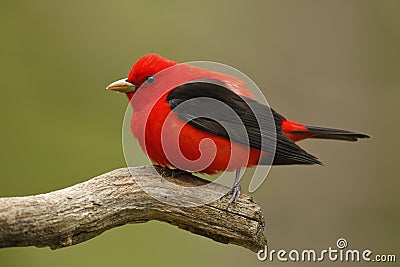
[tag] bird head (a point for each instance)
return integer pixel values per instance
(144, 68)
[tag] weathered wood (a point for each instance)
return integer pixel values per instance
(75, 214)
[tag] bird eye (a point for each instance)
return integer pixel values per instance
(150, 79)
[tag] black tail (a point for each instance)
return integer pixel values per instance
(336, 134)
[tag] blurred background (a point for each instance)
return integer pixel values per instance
(329, 63)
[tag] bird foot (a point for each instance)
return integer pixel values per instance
(167, 172)
(235, 193)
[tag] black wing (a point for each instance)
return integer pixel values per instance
(209, 106)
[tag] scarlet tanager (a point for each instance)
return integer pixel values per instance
(160, 125)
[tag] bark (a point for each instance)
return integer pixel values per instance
(75, 214)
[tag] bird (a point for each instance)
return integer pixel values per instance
(202, 121)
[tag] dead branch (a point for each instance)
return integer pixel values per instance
(75, 214)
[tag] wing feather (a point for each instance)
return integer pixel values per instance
(210, 106)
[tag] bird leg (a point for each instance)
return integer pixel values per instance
(167, 172)
(235, 191)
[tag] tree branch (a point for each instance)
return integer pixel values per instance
(75, 214)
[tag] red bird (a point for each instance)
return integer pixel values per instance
(177, 135)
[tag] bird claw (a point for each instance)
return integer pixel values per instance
(167, 172)
(235, 193)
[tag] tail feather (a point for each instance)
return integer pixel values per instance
(330, 133)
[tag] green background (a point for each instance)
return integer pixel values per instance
(330, 63)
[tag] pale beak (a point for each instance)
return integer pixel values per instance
(122, 86)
